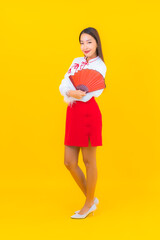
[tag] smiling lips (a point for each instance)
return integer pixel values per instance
(87, 51)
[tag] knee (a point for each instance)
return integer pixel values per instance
(86, 162)
(70, 164)
(89, 162)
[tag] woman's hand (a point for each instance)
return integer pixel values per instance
(76, 93)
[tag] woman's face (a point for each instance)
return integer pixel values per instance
(88, 45)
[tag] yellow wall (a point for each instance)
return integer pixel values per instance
(38, 41)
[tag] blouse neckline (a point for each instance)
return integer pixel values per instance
(91, 60)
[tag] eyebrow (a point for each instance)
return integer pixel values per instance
(87, 40)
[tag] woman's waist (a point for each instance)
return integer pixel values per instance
(89, 105)
(84, 102)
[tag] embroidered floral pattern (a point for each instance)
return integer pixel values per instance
(83, 64)
(75, 66)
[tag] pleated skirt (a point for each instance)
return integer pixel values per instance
(83, 122)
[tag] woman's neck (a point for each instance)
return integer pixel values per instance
(87, 59)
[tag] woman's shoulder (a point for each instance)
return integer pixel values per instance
(101, 64)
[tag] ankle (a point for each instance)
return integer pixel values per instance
(89, 203)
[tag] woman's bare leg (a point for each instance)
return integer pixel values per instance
(89, 158)
(71, 154)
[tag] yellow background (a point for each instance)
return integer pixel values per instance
(38, 41)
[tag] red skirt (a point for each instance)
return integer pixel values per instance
(83, 121)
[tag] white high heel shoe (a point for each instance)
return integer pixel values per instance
(91, 210)
(96, 201)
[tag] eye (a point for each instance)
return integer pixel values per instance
(88, 42)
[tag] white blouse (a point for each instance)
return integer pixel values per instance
(79, 64)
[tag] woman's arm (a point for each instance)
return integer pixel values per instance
(97, 93)
(67, 85)
(78, 94)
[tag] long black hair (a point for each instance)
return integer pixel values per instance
(94, 33)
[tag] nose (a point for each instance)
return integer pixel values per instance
(85, 47)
